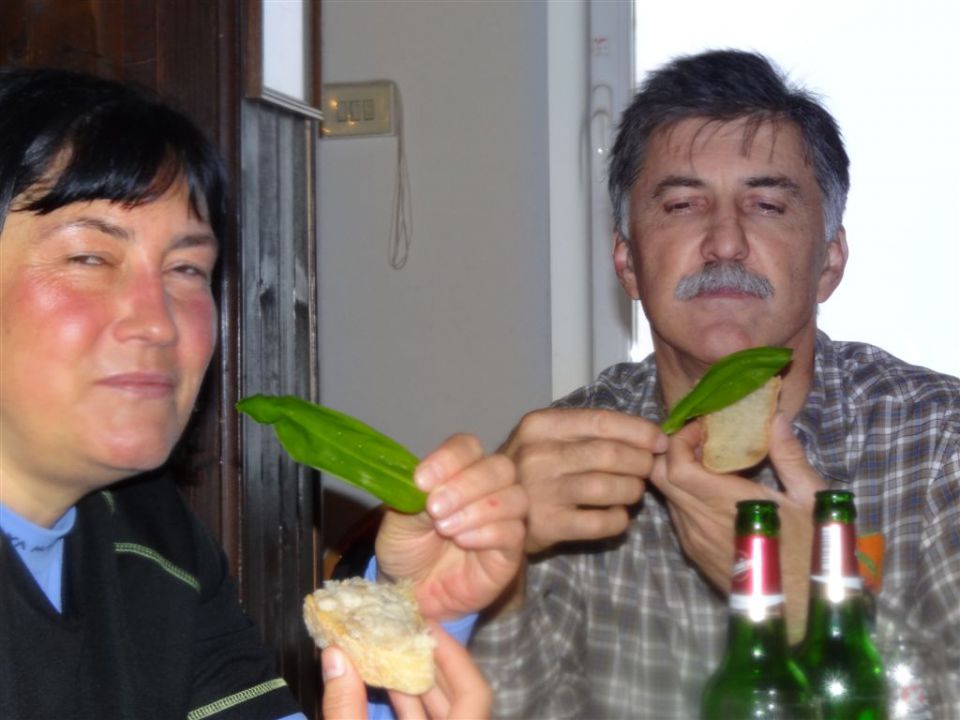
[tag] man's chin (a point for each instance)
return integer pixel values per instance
(718, 342)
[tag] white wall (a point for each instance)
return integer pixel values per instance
(459, 339)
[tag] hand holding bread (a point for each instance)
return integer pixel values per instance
(379, 627)
(460, 690)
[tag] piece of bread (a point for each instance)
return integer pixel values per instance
(379, 627)
(737, 436)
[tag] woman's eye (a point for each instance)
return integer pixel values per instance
(192, 271)
(87, 259)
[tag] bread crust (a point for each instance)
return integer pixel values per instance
(738, 436)
(379, 627)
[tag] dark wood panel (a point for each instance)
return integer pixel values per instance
(278, 329)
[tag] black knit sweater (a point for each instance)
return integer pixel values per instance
(151, 626)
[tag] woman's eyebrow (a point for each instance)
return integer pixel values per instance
(121, 233)
(93, 223)
(196, 240)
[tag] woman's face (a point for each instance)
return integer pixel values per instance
(107, 325)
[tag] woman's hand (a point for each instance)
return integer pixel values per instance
(460, 690)
(467, 547)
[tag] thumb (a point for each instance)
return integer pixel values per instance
(344, 694)
(800, 480)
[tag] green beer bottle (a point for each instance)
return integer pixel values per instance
(757, 679)
(837, 655)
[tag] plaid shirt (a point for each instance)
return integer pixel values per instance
(628, 628)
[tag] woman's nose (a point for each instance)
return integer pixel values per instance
(145, 313)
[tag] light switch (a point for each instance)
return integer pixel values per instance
(358, 109)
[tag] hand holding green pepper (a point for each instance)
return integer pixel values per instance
(341, 445)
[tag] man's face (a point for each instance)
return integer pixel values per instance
(739, 229)
(108, 324)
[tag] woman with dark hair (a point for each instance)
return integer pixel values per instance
(115, 602)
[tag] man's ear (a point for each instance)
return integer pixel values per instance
(833, 265)
(623, 264)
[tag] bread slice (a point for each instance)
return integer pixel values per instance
(380, 629)
(737, 436)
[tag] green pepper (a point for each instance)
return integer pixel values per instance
(341, 445)
(729, 379)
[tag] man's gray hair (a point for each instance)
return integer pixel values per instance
(728, 85)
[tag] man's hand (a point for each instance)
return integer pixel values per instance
(460, 690)
(703, 508)
(581, 469)
(467, 547)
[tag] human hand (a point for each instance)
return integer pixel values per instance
(467, 547)
(703, 508)
(582, 469)
(460, 690)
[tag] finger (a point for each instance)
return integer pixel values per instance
(680, 457)
(481, 481)
(407, 707)
(684, 481)
(800, 480)
(589, 524)
(455, 454)
(462, 690)
(505, 506)
(604, 455)
(568, 424)
(505, 536)
(601, 490)
(344, 694)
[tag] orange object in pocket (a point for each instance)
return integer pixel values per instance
(870, 549)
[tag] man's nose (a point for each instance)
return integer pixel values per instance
(144, 311)
(725, 239)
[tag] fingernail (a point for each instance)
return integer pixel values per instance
(450, 524)
(662, 443)
(425, 476)
(440, 503)
(332, 663)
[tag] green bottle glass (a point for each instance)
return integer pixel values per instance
(837, 655)
(757, 679)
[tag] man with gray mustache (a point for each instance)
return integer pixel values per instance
(728, 185)
(716, 277)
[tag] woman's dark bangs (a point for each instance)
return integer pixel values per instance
(116, 154)
(133, 154)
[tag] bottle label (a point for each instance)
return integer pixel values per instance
(755, 588)
(836, 575)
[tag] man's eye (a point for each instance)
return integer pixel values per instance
(678, 206)
(769, 208)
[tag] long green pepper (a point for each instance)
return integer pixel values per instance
(729, 379)
(341, 445)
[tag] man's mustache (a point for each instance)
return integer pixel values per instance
(723, 276)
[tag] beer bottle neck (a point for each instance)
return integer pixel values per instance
(836, 597)
(759, 643)
(757, 631)
(828, 618)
